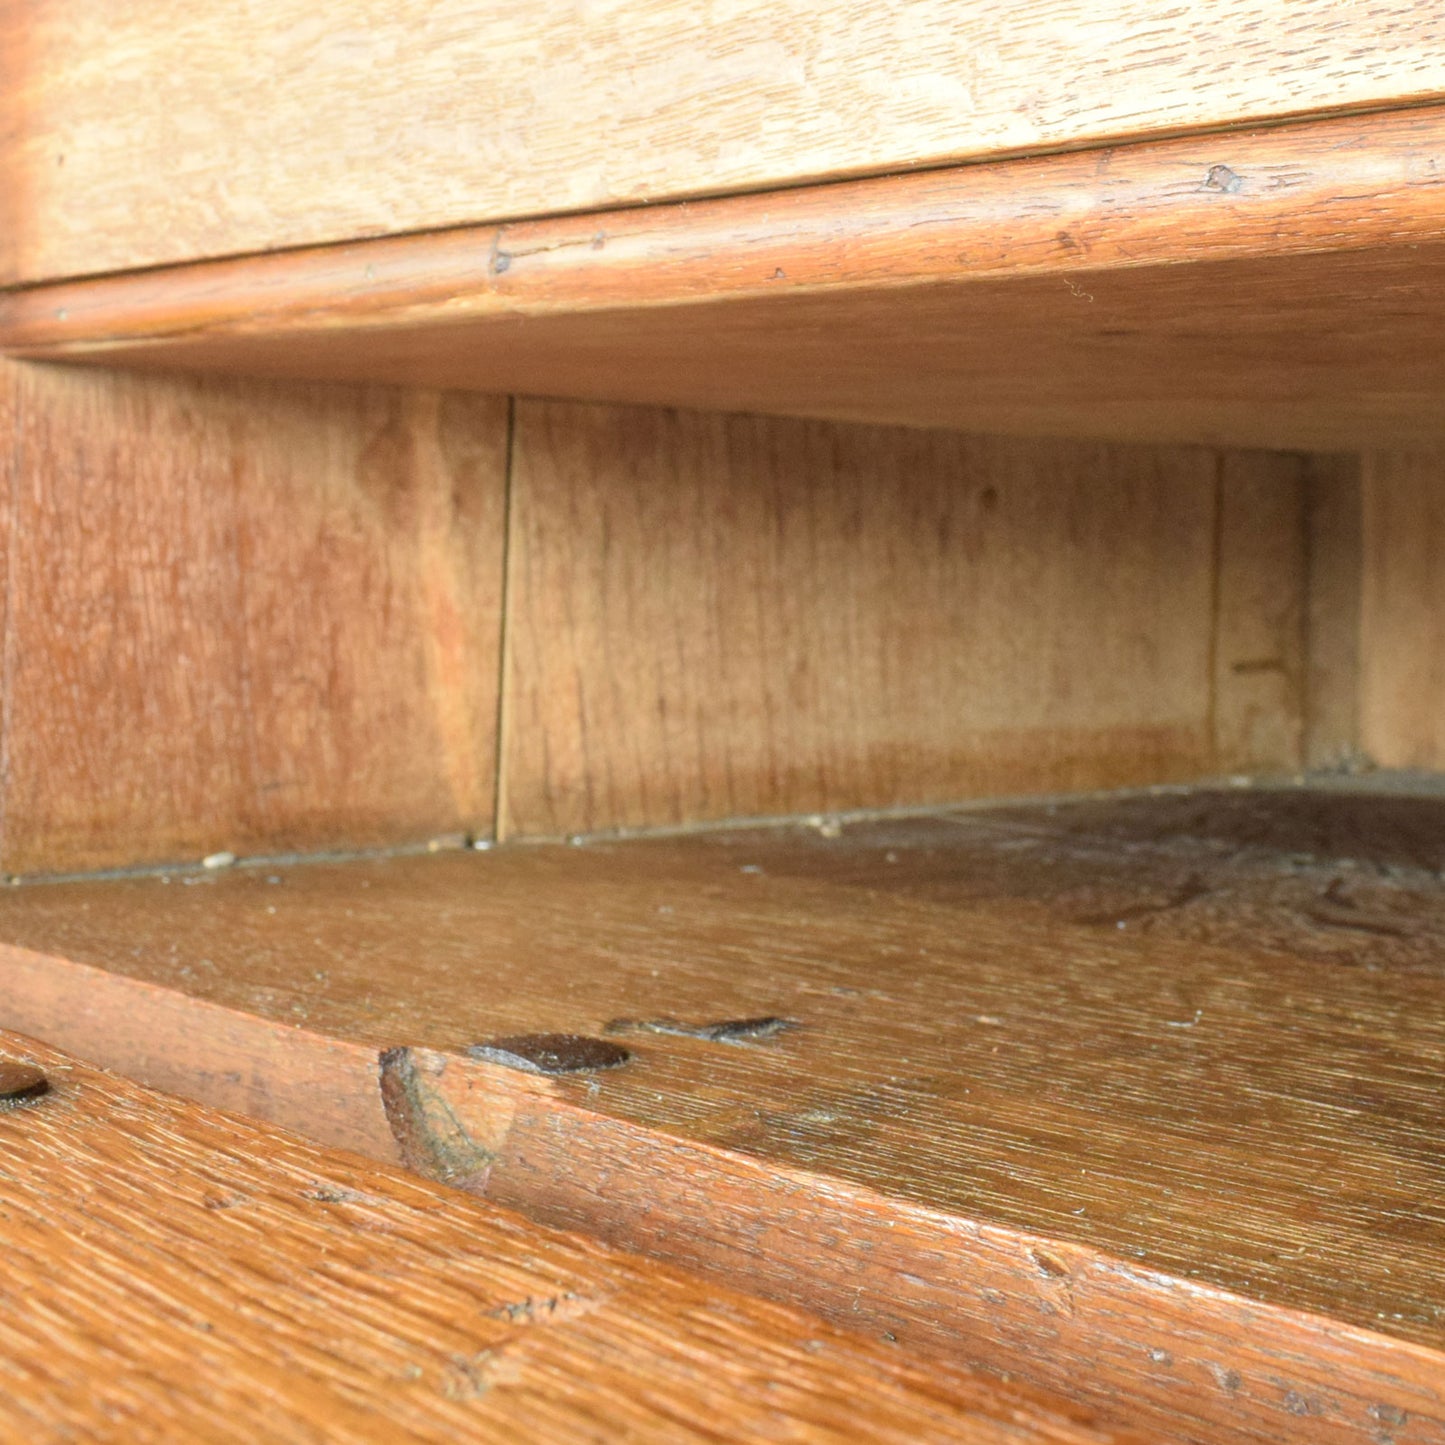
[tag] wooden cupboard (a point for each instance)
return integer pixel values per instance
(811, 650)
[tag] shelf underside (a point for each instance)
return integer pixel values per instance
(1147, 1083)
(1281, 288)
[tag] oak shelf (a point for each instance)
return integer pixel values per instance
(1279, 288)
(194, 1276)
(506, 446)
(1135, 1098)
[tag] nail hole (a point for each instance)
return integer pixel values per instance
(551, 1053)
(21, 1085)
(1221, 178)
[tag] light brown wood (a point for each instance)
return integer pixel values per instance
(1402, 616)
(1259, 637)
(296, 129)
(176, 1273)
(245, 616)
(1335, 547)
(1276, 288)
(1137, 1099)
(248, 617)
(714, 617)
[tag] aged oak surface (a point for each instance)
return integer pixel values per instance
(172, 1273)
(155, 133)
(1402, 609)
(250, 615)
(714, 617)
(1139, 1097)
(1280, 287)
(244, 614)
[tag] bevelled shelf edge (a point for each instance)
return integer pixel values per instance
(1338, 185)
(960, 297)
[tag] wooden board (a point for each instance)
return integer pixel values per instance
(1258, 641)
(717, 617)
(1402, 610)
(296, 129)
(251, 617)
(1136, 1099)
(174, 1273)
(1279, 288)
(1335, 562)
(245, 615)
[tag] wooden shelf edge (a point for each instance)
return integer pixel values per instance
(201, 1276)
(1174, 1223)
(1344, 184)
(1021, 1303)
(1160, 1350)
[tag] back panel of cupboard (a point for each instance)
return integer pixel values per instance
(246, 616)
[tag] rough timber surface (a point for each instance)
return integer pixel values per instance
(243, 614)
(172, 1273)
(721, 617)
(1137, 1096)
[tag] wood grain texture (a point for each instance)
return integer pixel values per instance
(176, 1273)
(300, 128)
(1137, 1099)
(1335, 538)
(1275, 288)
(249, 617)
(1402, 616)
(717, 617)
(1259, 637)
(246, 616)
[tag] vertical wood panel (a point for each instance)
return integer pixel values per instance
(1335, 543)
(248, 616)
(1259, 660)
(256, 617)
(1402, 627)
(9, 463)
(722, 616)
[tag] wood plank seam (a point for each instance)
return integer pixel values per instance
(505, 644)
(12, 410)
